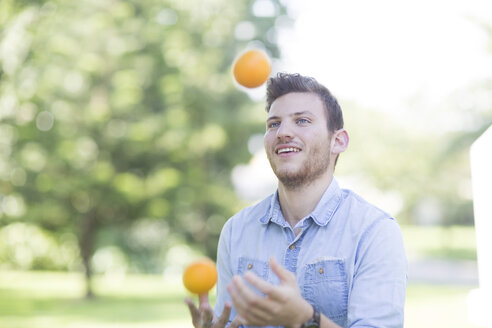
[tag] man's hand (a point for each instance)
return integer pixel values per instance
(203, 316)
(282, 306)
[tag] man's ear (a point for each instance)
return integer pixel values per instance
(339, 141)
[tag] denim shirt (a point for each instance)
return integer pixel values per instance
(348, 258)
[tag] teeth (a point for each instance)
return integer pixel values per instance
(286, 150)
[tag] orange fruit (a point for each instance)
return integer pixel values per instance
(252, 68)
(200, 276)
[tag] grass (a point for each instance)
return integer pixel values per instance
(47, 299)
(53, 299)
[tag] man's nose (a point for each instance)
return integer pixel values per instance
(285, 130)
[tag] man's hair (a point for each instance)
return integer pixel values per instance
(285, 83)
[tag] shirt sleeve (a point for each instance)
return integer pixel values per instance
(224, 271)
(377, 298)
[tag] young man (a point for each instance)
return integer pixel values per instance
(311, 254)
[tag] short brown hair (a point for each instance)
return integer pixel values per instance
(285, 83)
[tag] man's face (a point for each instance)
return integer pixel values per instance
(297, 141)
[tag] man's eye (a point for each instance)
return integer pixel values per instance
(302, 121)
(273, 125)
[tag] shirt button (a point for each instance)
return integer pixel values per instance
(321, 271)
(292, 247)
(250, 266)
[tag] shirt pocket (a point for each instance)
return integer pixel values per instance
(325, 286)
(260, 268)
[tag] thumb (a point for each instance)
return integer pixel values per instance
(280, 271)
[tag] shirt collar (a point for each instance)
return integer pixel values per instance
(322, 213)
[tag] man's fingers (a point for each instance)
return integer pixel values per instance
(259, 283)
(236, 295)
(206, 313)
(202, 316)
(193, 310)
(284, 274)
(224, 317)
(246, 294)
(237, 322)
(252, 307)
(207, 316)
(195, 314)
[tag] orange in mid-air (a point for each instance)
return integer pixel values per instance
(200, 276)
(252, 68)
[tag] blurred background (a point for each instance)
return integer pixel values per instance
(125, 144)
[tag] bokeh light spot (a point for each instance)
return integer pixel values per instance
(45, 121)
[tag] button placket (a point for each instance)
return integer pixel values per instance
(291, 255)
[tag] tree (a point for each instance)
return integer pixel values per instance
(122, 114)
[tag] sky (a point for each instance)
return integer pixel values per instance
(383, 54)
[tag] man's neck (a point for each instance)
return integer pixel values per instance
(297, 203)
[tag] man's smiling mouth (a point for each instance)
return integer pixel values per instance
(288, 150)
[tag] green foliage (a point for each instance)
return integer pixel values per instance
(120, 118)
(120, 125)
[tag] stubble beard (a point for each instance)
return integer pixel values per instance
(311, 169)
